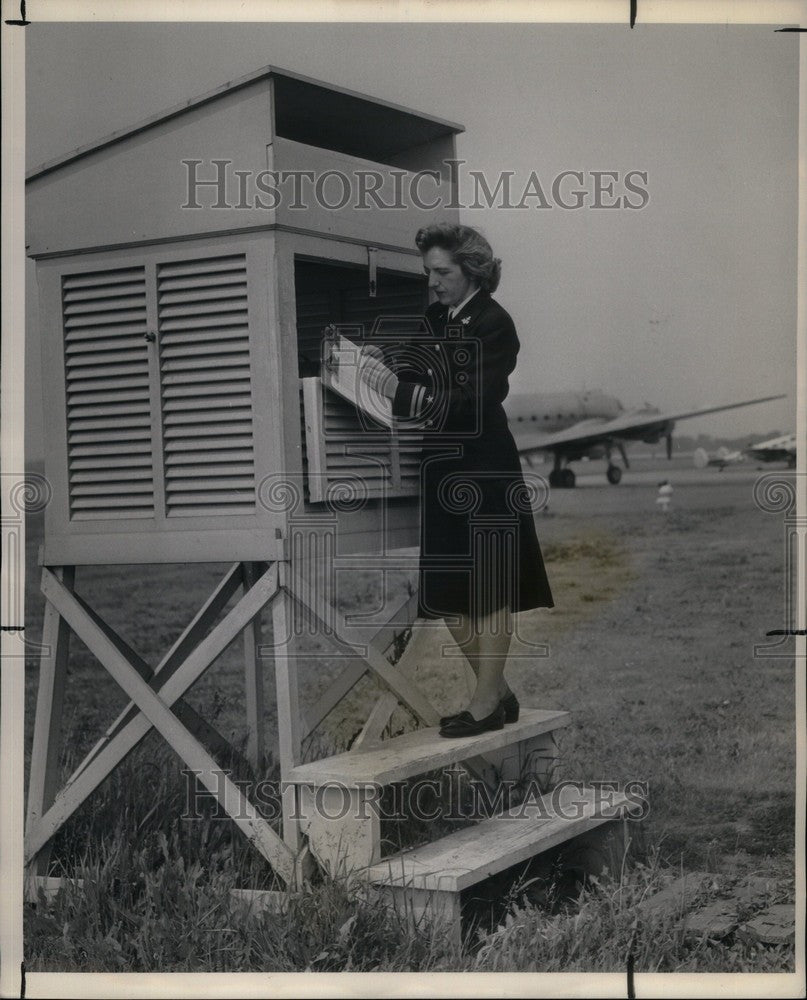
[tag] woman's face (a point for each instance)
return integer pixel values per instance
(446, 279)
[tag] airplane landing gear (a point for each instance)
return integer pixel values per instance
(561, 478)
(614, 474)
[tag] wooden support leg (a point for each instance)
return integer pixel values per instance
(343, 826)
(288, 711)
(43, 779)
(185, 673)
(104, 645)
(253, 679)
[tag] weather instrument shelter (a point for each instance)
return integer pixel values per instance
(187, 267)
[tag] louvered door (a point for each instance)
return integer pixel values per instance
(204, 453)
(109, 444)
(358, 457)
(205, 385)
(162, 397)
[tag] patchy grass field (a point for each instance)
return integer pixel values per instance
(651, 647)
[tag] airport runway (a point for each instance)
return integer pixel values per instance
(692, 488)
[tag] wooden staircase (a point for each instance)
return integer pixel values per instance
(427, 881)
(338, 797)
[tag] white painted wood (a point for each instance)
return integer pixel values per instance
(253, 677)
(207, 519)
(343, 827)
(194, 663)
(382, 710)
(377, 721)
(190, 637)
(474, 853)
(374, 226)
(94, 633)
(270, 74)
(288, 708)
(316, 455)
(139, 183)
(121, 547)
(186, 714)
(44, 773)
(420, 751)
(334, 625)
(382, 638)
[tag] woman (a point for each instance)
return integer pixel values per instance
(479, 555)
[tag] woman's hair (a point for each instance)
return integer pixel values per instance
(469, 249)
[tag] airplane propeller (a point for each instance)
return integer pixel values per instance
(668, 439)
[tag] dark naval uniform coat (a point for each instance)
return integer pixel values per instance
(478, 548)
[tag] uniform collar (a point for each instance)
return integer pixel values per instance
(471, 308)
(459, 308)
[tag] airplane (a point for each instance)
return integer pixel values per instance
(778, 449)
(721, 458)
(592, 424)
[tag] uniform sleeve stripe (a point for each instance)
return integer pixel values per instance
(417, 401)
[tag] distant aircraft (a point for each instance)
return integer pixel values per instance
(575, 425)
(779, 449)
(721, 458)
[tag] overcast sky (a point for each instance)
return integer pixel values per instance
(689, 301)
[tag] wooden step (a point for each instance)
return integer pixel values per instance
(420, 751)
(474, 853)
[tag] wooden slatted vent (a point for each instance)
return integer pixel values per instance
(339, 448)
(206, 389)
(109, 456)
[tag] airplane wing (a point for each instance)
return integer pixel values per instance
(781, 449)
(627, 426)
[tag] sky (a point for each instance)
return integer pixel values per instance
(686, 302)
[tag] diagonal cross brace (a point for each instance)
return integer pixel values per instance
(196, 662)
(336, 629)
(382, 637)
(189, 638)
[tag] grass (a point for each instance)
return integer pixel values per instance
(651, 648)
(150, 903)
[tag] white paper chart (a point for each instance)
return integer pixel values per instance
(342, 372)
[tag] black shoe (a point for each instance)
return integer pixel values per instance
(465, 724)
(511, 707)
(509, 703)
